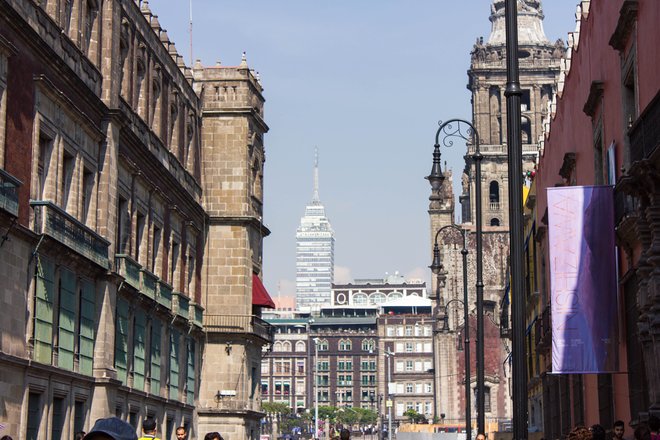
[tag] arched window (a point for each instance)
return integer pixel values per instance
(300, 346)
(368, 345)
(277, 346)
(286, 346)
(494, 221)
(345, 345)
(494, 192)
(394, 295)
(377, 298)
(323, 345)
(360, 299)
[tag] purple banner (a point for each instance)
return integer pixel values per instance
(583, 279)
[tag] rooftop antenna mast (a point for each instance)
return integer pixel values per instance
(190, 31)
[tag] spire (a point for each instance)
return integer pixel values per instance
(315, 197)
(530, 23)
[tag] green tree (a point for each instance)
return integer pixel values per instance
(328, 412)
(275, 408)
(414, 416)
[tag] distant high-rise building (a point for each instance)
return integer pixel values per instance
(315, 253)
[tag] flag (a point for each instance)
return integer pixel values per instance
(583, 291)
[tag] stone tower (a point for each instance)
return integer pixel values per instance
(232, 116)
(539, 70)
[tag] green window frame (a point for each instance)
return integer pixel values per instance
(156, 330)
(66, 337)
(139, 349)
(121, 340)
(43, 311)
(190, 382)
(86, 332)
(174, 365)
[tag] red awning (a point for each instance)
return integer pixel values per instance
(260, 296)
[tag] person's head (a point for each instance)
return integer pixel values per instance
(579, 433)
(111, 428)
(642, 432)
(181, 433)
(598, 432)
(618, 429)
(213, 436)
(481, 436)
(344, 434)
(149, 426)
(6, 437)
(654, 424)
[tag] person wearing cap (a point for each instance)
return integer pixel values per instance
(111, 428)
(149, 430)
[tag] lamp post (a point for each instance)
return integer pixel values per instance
(388, 400)
(514, 141)
(438, 269)
(462, 129)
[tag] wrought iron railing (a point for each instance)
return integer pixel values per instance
(51, 220)
(9, 192)
(645, 132)
(239, 324)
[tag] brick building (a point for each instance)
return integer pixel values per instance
(130, 211)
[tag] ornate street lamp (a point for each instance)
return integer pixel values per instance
(462, 129)
(438, 269)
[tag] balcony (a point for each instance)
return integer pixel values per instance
(180, 304)
(645, 132)
(196, 314)
(148, 283)
(9, 192)
(129, 269)
(494, 206)
(53, 221)
(239, 324)
(164, 295)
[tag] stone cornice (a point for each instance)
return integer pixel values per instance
(627, 18)
(595, 93)
(253, 222)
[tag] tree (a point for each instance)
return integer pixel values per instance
(414, 416)
(275, 408)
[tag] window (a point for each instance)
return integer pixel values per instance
(409, 330)
(79, 416)
(139, 349)
(67, 320)
(494, 194)
(344, 345)
(264, 388)
(428, 388)
(121, 340)
(123, 226)
(140, 223)
(155, 355)
(155, 250)
(174, 261)
(390, 330)
(59, 414)
(322, 345)
(409, 388)
(409, 366)
(43, 164)
(599, 154)
(66, 182)
(360, 299)
(300, 346)
(174, 365)
(368, 345)
(190, 374)
(300, 367)
(494, 222)
(87, 195)
(33, 416)
(409, 347)
(43, 311)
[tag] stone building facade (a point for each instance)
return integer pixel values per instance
(130, 213)
(539, 69)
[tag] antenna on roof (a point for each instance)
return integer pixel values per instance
(190, 30)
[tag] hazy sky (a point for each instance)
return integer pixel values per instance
(366, 81)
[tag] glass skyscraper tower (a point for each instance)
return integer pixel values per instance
(315, 253)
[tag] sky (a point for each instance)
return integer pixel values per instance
(365, 81)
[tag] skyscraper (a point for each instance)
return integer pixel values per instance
(315, 253)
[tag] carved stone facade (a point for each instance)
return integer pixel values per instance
(130, 223)
(539, 69)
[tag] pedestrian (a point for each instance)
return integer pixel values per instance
(213, 436)
(618, 429)
(111, 427)
(654, 427)
(149, 429)
(181, 433)
(642, 432)
(344, 434)
(598, 432)
(481, 436)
